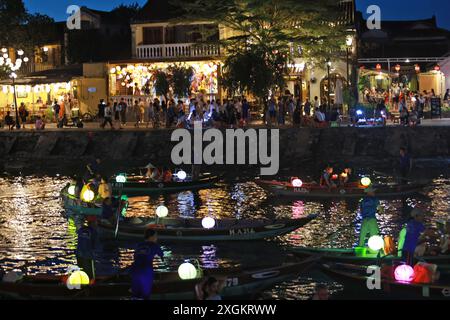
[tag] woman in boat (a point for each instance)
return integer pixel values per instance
(104, 189)
(345, 178)
(212, 288)
(167, 175)
(142, 269)
(326, 178)
(369, 207)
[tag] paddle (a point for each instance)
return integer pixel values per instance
(119, 211)
(394, 176)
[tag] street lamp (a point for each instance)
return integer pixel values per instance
(10, 69)
(329, 83)
(349, 42)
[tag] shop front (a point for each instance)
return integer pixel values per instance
(136, 80)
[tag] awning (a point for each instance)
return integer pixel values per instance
(65, 74)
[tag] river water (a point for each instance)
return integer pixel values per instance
(35, 234)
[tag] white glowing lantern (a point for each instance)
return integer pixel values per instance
(47, 88)
(366, 181)
(404, 273)
(36, 89)
(297, 183)
(28, 89)
(113, 70)
(187, 271)
(26, 59)
(208, 223)
(71, 190)
(88, 196)
(182, 175)
(162, 212)
(5, 89)
(68, 86)
(121, 178)
(376, 243)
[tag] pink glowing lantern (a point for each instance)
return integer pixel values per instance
(404, 273)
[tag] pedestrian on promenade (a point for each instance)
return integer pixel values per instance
(123, 106)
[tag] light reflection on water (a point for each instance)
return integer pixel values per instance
(35, 234)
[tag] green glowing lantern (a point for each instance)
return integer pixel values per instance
(187, 271)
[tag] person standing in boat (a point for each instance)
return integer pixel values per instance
(369, 207)
(405, 164)
(93, 169)
(415, 233)
(142, 269)
(85, 247)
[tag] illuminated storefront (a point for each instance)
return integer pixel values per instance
(139, 79)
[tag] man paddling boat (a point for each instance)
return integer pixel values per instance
(142, 269)
(85, 247)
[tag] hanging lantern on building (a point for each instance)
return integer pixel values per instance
(417, 68)
(378, 67)
(437, 68)
(397, 68)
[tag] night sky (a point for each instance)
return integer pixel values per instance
(391, 9)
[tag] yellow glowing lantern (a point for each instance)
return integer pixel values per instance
(187, 271)
(77, 279)
(88, 196)
(366, 182)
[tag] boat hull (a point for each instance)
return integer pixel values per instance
(238, 284)
(240, 231)
(317, 192)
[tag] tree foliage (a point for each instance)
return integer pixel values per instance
(181, 79)
(261, 35)
(162, 84)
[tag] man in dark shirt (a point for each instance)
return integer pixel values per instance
(142, 269)
(123, 112)
(85, 247)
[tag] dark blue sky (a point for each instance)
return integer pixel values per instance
(390, 9)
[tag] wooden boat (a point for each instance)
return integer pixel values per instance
(239, 283)
(355, 280)
(75, 206)
(315, 191)
(192, 230)
(350, 256)
(139, 185)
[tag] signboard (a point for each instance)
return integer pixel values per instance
(436, 108)
(92, 90)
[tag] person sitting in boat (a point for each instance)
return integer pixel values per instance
(415, 233)
(104, 189)
(107, 209)
(321, 293)
(326, 178)
(85, 247)
(142, 268)
(210, 289)
(369, 207)
(156, 175)
(345, 177)
(167, 175)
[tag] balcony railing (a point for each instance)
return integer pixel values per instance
(178, 50)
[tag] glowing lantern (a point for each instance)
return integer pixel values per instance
(404, 273)
(297, 183)
(121, 178)
(378, 67)
(417, 68)
(208, 223)
(77, 279)
(376, 243)
(162, 212)
(334, 177)
(437, 68)
(397, 68)
(71, 190)
(366, 181)
(187, 271)
(182, 175)
(113, 70)
(88, 196)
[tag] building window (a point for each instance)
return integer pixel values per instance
(153, 36)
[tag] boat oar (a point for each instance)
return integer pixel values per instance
(119, 211)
